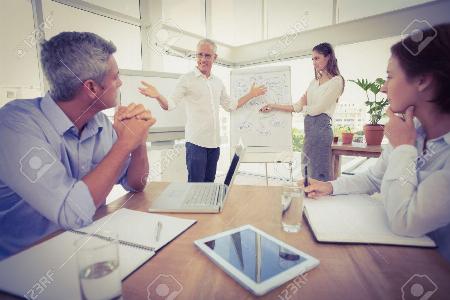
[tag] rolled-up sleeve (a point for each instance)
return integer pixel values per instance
(31, 168)
(123, 178)
(178, 93)
(297, 106)
(226, 101)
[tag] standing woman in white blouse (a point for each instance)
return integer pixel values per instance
(318, 104)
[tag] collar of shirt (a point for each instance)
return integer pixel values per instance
(197, 73)
(442, 141)
(62, 123)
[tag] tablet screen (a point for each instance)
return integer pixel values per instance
(254, 255)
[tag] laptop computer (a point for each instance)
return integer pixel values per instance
(198, 197)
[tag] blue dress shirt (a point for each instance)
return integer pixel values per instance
(42, 161)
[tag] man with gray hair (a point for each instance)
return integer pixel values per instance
(60, 156)
(202, 93)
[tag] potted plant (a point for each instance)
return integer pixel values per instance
(336, 132)
(347, 135)
(373, 131)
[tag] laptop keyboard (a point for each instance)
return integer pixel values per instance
(202, 196)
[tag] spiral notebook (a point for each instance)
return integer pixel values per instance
(355, 219)
(49, 271)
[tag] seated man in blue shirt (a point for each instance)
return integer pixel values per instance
(59, 155)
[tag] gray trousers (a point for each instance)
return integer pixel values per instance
(317, 148)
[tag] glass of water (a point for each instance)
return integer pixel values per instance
(291, 207)
(98, 266)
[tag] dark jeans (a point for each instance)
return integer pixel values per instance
(201, 163)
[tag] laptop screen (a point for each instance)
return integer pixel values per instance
(232, 169)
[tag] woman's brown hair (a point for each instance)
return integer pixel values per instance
(428, 53)
(332, 66)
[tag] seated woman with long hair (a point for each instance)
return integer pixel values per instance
(413, 172)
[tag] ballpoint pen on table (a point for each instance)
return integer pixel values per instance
(158, 231)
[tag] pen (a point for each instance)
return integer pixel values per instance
(158, 231)
(306, 183)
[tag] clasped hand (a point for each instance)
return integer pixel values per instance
(131, 124)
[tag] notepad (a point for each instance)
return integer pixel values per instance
(49, 269)
(355, 219)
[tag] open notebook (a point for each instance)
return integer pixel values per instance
(49, 269)
(355, 219)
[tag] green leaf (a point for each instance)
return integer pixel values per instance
(375, 89)
(380, 81)
(362, 83)
(375, 108)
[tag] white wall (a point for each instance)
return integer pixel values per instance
(19, 73)
(128, 7)
(284, 14)
(356, 9)
(236, 22)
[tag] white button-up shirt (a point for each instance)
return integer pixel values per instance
(322, 98)
(415, 188)
(202, 96)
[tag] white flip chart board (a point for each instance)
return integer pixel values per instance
(262, 132)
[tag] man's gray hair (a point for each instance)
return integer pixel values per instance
(208, 41)
(70, 58)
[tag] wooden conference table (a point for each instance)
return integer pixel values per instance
(345, 271)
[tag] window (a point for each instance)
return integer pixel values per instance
(19, 71)
(126, 37)
(361, 60)
(188, 15)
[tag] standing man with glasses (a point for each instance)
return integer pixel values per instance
(202, 93)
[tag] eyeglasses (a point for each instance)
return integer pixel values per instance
(206, 56)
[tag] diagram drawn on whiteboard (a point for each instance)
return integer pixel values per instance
(248, 122)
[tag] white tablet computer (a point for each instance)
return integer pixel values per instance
(258, 261)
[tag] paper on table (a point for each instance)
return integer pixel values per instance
(355, 219)
(49, 269)
(139, 227)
